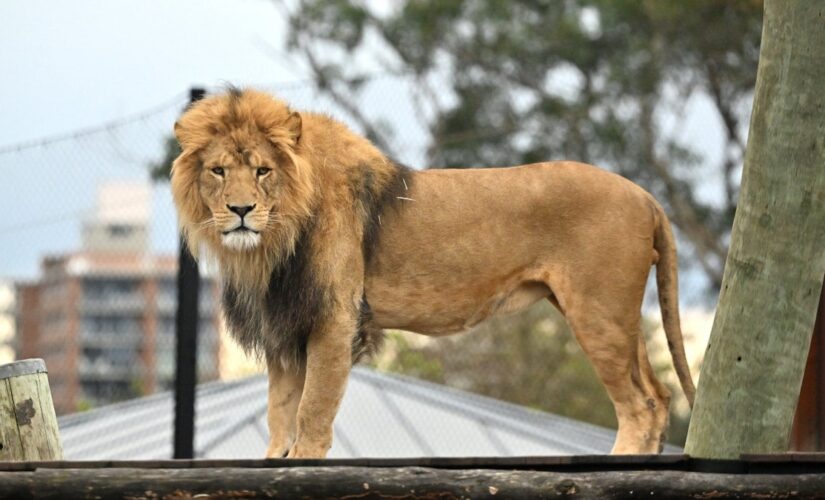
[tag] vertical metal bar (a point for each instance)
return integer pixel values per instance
(186, 329)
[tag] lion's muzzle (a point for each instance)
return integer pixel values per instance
(241, 238)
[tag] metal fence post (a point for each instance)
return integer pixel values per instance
(186, 332)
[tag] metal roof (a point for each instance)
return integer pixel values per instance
(382, 415)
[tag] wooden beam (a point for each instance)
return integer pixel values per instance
(406, 482)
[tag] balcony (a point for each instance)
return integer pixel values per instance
(131, 337)
(107, 369)
(119, 303)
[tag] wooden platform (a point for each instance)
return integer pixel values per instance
(668, 476)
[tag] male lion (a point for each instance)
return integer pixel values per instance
(322, 241)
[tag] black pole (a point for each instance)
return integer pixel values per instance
(186, 329)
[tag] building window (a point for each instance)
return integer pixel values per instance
(119, 230)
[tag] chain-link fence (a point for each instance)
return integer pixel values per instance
(91, 257)
(91, 253)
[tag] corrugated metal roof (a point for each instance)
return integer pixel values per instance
(382, 415)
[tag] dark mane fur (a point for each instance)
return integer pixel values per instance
(375, 202)
(278, 324)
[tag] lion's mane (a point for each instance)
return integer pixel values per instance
(277, 294)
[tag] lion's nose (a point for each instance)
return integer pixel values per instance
(241, 210)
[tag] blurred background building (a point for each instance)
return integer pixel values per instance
(103, 317)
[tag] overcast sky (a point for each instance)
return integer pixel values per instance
(71, 65)
(67, 65)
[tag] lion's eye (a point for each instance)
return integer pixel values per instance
(218, 171)
(262, 171)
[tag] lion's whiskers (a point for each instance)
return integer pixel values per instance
(273, 221)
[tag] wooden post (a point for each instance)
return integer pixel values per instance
(28, 425)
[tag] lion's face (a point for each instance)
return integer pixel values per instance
(240, 183)
(241, 188)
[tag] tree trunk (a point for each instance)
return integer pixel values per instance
(756, 356)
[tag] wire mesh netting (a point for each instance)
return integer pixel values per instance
(92, 258)
(89, 271)
(92, 249)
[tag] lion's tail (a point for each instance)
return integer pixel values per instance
(668, 284)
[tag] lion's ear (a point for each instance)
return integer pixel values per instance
(293, 126)
(193, 130)
(185, 160)
(184, 183)
(183, 136)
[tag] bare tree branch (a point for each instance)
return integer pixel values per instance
(346, 102)
(731, 125)
(683, 208)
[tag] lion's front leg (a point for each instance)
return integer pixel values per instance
(285, 388)
(329, 360)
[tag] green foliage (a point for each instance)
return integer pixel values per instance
(403, 356)
(591, 80)
(521, 81)
(84, 405)
(161, 170)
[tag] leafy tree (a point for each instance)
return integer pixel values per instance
(506, 82)
(503, 83)
(161, 170)
(600, 81)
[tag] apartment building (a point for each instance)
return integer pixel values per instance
(103, 317)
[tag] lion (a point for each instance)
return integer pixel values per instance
(323, 241)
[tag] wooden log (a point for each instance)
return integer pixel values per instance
(404, 482)
(28, 425)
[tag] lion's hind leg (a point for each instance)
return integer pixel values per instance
(605, 315)
(661, 394)
(620, 359)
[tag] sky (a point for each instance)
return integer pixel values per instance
(72, 65)
(68, 66)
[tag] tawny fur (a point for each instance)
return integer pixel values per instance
(363, 244)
